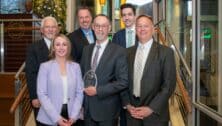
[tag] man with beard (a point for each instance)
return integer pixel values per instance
(83, 35)
(108, 62)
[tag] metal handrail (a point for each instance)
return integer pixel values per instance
(184, 93)
(2, 46)
(176, 49)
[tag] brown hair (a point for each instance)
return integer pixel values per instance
(146, 16)
(83, 8)
(128, 5)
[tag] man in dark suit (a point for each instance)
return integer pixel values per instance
(37, 53)
(83, 35)
(152, 78)
(126, 37)
(108, 60)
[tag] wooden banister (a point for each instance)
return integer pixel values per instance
(185, 96)
(18, 99)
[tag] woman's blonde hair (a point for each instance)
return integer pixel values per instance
(52, 50)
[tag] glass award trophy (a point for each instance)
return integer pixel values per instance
(90, 79)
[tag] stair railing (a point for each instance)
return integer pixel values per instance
(180, 102)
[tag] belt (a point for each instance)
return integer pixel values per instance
(136, 97)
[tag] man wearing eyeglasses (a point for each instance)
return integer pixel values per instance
(152, 78)
(108, 61)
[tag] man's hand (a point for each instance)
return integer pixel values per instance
(71, 121)
(142, 112)
(130, 109)
(91, 91)
(36, 103)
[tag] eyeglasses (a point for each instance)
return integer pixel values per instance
(97, 26)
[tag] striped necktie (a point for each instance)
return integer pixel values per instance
(129, 38)
(94, 62)
(138, 71)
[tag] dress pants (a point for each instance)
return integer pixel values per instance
(91, 122)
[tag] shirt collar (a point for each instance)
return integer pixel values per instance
(103, 44)
(48, 42)
(86, 31)
(132, 28)
(147, 44)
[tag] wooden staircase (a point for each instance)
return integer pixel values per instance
(7, 94)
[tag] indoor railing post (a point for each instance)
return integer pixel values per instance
(2, 46)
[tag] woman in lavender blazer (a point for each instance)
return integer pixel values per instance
(59, 86)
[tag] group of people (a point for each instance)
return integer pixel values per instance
(135, 75)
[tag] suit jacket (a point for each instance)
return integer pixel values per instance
(78, 40)
(36, 54)
(120, 38)
(112, 77)
(50, 91)
(158, 80)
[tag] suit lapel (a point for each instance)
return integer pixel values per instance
(44, 50)
(82, 37)
(150, 58)
(90, 55)
(104, 58)
(131, 60)
(124, 38)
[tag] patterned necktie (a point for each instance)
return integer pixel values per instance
(138, 71)
(94, 62)
(130, 38)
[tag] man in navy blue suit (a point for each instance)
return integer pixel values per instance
(126, 38)
(84, 35)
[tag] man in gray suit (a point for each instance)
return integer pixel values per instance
(152, 78)
(108, 60)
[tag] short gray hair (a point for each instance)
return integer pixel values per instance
(48, 18)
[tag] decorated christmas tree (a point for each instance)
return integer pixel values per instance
(55, 8)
